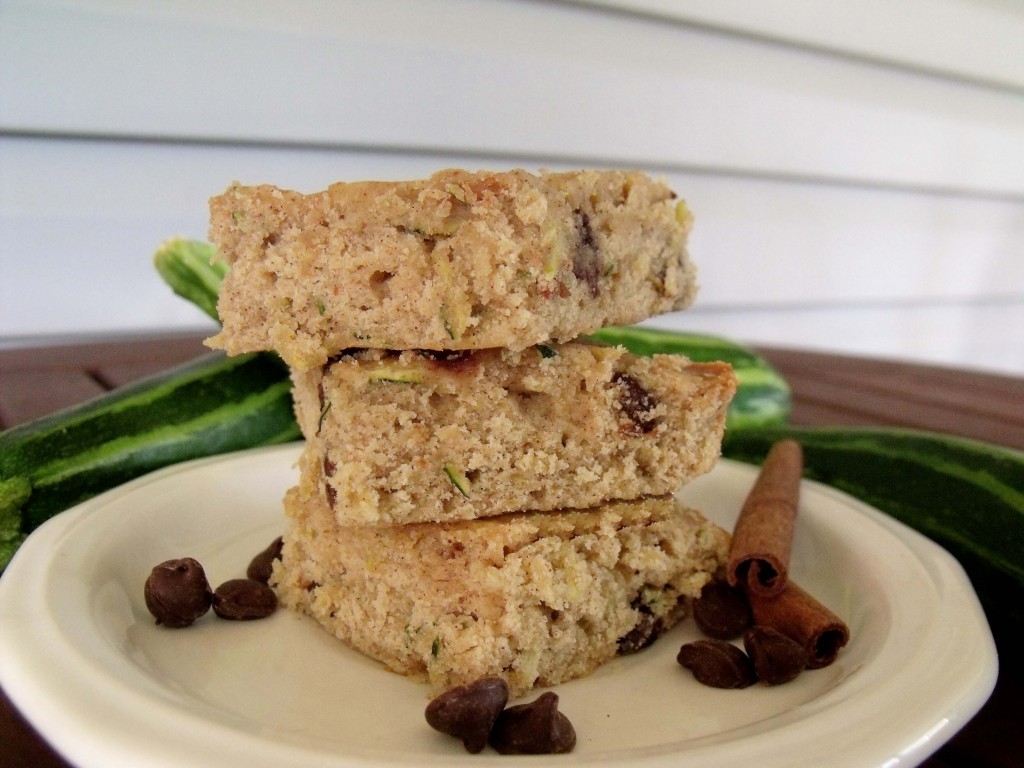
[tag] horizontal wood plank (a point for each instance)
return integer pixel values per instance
(850, 391)
(28, 394)
(151, 352)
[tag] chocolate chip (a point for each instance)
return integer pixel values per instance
(329, 469)
(468, 712)
(244, 600)
(586, 259)
(537, 728)
(722, 611)
(645, 632)
(777, 658)
(717, 663)
(637, 403)
(262, 566)
(647, 629)
(454, 361)
(449, 356)
(177, 592)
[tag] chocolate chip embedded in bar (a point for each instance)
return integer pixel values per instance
(586, 258)
(637, 403)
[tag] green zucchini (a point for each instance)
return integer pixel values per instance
(191, 271)
(966, 495)
(208, 406)
(762, 398)
(457, 478)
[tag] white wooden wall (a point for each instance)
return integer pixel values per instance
(856, 168)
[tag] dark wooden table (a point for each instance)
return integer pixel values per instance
(827, 389)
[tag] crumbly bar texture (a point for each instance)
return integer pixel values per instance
(460, 260)
(416, 436)
(536, 599)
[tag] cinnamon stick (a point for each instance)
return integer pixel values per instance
(763, 536)
(800, 616)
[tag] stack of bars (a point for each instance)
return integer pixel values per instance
(482, 490)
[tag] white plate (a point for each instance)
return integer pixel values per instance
(83, 660)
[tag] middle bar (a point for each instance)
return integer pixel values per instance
(421, 436)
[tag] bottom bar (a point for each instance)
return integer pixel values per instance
(535, 598)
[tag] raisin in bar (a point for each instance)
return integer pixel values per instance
(418, 436)
(460, 260)
(536, 599)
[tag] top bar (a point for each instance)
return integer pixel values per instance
(457, 261)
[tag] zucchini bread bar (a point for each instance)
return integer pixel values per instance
(419, 436)
(457, 261)
(536, 599)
